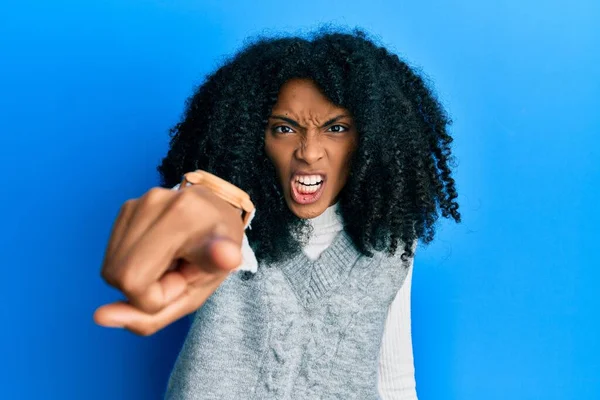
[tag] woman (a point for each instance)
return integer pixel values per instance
(345, 153)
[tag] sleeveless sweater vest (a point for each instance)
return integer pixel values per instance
(300, 329)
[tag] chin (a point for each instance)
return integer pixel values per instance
(312, 213)
(307, 211)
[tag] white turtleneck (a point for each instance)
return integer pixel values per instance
(396, 366)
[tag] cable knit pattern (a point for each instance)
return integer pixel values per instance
(396, 365)
(301, 329)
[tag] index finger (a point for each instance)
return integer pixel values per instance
(167, 240)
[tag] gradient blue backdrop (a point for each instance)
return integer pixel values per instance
(505, 305)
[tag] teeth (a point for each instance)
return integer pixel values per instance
(302, 188)
(309, 179)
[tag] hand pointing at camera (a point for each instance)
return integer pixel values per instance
(167, 253)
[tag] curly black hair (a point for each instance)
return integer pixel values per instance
(399, 175)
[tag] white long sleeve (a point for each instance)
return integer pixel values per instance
(396, 364)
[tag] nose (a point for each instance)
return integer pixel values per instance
(310, 148)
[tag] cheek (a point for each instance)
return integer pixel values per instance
(346, 158)
(271, 151)
(277, 157)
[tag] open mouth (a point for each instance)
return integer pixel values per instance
(307, 189)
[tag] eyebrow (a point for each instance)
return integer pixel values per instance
(297, 125)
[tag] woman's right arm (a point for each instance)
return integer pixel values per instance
(396, 364)
(167, 253)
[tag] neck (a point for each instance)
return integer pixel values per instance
(325, 227)
(327, 219)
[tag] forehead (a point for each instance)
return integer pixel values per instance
(303, 96)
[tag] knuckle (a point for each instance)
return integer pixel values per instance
(186, 200)
(151, 199)
(128, 205)
(155, 195)
(109, 277)
(128, 284)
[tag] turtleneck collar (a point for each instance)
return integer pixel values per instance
(328, 218)
(326, 225)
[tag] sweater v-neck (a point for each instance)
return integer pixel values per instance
(313, 279)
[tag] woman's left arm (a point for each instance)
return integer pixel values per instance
(396, 365)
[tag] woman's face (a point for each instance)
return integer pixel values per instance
(310, 141)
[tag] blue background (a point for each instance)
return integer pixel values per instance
(505, 305)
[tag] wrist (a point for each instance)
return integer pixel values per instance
(232, 194)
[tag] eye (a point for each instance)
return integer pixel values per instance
(337, 128)
(282, 129)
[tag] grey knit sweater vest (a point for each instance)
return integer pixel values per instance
(300, 329)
